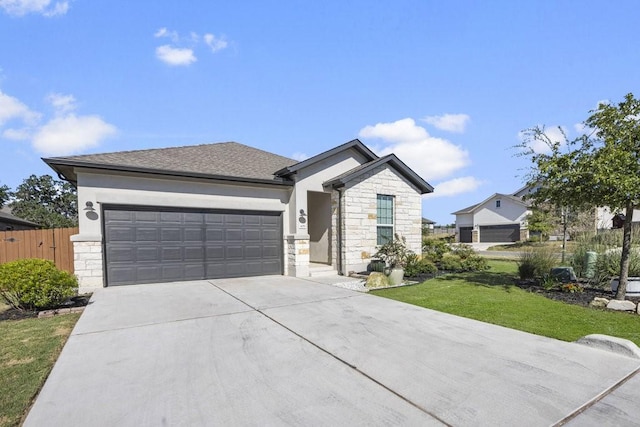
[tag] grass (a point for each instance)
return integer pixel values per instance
(30, 347)
(519, 246)
(490, 296)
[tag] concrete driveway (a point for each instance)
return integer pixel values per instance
(285, 351)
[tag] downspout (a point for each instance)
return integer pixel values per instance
(339, 233)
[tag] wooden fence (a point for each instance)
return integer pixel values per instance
(53, 244)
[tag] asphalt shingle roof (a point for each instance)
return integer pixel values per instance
(224, 159)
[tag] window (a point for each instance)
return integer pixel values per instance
(385, 219)
(497, 203)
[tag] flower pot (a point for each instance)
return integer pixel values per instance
(395, 276)
(633, 286)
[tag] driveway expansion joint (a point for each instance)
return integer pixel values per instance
(597, 398)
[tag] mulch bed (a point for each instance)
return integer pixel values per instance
(16, 314)
(577, 298)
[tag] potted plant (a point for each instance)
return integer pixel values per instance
(394, 253)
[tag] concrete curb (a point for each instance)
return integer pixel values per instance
(613, 344)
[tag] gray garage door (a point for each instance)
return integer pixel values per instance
(466, 234)
(500, 233)
(144, 245)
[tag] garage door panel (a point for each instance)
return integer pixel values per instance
(146, 234)
(120, 234)
(170, 234)
(214, 235)
(194, 253)
(142, 216)
(193, 234)
(253, 252)
(148, 254)
(254, 235)
(233, 235)
(146, 246)
(270, 251)
(234, 252)
(122, 254)
(171, 218)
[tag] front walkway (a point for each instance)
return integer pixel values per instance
(285, 351)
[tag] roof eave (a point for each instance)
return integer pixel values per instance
(54, 163)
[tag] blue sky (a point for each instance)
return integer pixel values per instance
(446, 85)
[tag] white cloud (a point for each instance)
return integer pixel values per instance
(175, 55)
(62, 103)
(64, 133)
(43, 7)
(13, 109)
(299, 156)
(432, 158)
(449, 122)
(17, 134)
(71, 134)
(455, 186)
(215, 43)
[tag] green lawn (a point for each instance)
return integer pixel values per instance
(490, 296)
(520, 246)
(30, 347)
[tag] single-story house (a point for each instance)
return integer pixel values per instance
(10, 222)
(499, 218)
(230, 210)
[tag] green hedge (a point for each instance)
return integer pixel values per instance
(30, 284)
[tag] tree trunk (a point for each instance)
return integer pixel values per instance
(625, 257)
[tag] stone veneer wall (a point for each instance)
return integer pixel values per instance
(359, 215)
(87, 264)
(296, 261)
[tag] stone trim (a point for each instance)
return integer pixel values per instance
(88, 265)
(296, 261)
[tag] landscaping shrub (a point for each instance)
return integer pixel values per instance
(451, 262)
(536, 262)
(470, 261)
(417, 266)
(30, 284)
(433, 249)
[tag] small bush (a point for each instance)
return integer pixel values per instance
(433, 249)
(451, 262)
(417, 266)
(470, 261)
(536, 262)
(30, 284)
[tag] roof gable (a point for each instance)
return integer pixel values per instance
(353, 144)
(478, 206)
(392, 161)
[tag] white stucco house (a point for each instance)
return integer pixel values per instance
(499, 218)
(229, 210)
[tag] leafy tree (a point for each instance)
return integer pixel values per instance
(540, 221)
(5, 192)
(599, 169)
(46, 201)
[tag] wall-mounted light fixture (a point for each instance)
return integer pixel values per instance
(302, 218)
(89, 207)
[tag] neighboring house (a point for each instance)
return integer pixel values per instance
(428, 224)
(229, 210)
(607, 219)
(9, 222)
(499, 218)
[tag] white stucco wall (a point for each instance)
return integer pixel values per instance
(360, 215)
(509, 212)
